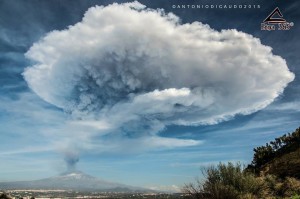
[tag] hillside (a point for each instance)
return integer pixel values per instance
(280, 157)
(285, 165)
(273, 173)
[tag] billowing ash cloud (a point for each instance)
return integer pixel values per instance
(138, 70)
(71, 158)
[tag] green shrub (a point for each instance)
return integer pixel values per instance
(295, 197)
(276, 187)
(271, 186)
(225, 181)
(229, 181)
(290, 187)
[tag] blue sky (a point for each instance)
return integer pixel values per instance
(115, 139)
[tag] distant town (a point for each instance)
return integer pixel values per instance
(59, 194)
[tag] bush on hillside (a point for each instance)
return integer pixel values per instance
(232, 181)
(225, 181)
(282, 145)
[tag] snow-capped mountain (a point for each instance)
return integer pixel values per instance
(75, 180)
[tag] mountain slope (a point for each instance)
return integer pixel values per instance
(71, 181)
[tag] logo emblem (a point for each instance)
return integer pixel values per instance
(272, 20)
(275, 21)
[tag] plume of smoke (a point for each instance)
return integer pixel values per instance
(71, 158)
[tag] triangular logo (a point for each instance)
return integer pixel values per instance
(272, 20)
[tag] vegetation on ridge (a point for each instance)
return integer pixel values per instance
(280, 157)
(273, 174)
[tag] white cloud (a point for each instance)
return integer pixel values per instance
(29, 149)
(125, 69)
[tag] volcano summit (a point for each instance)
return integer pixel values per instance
(73, 180)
